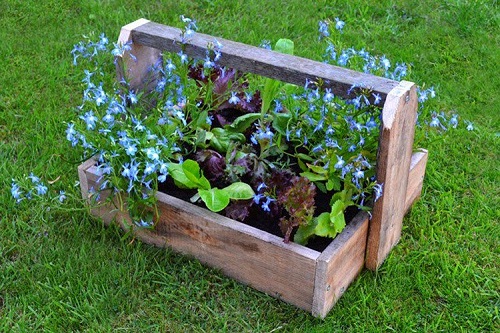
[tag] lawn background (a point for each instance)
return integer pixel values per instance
(61, 271)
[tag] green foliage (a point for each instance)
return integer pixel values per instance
(327, 224)
(221, 138)
(242, 123)
(59, 269)
(271, 87)
(215, 199)
(239, 191)
(189, 175)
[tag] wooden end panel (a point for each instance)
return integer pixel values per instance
(393, 165)
(340, 264)
(135, 65)
(416, 177)
(83, 178)
(246, 254)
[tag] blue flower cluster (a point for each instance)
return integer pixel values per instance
(134, 146)
(339, 135)
(263, 198)
(381, 65)
(32, 187)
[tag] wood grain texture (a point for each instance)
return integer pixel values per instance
(82, 177)
(134, 66)
(247, 254)
(416, 177)
(393, 165)
(344, 258)
(340, 264)
(308, 279)
(251, 59)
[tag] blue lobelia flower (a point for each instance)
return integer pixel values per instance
(41, 189)
(184, 57)
(16, 192)
(386, 64)
(328, 95)
(170, 67)
(470, 125)
(257, 198)
(453, 121)
(152, 153)
(343, 59)
(435, 122)
(130, 149)
(265, 205)
(323, 29)
(340, 162)
(379, 190)
(150, 168)
(339, 24)
(62, 196)
(234, 99)
(90, 120)
(132, 97)
(34, 179)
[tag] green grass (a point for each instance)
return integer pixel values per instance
(60, 270)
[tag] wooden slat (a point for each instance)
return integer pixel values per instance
(251, 59)
(340, 264)
(416, 177)
(136, 69)
(251, 256)
(393, 165)
(82, 177)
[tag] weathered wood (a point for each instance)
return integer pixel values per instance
(416, 177)
(339, 264)
(342, 261)
(82, 177)
(251, 256)
(393, 165)
(251, 59)
(136, 64)
(309, 279)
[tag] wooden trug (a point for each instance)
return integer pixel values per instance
(306, 278)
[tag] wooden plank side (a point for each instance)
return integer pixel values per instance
(416, 177)
(249, 255)
(134, 66)
(340, 264)
(82, 177)
(393, 165)
(251, 59)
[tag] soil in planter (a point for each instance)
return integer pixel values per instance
(258, 219)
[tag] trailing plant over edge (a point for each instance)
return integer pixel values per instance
(245, 144)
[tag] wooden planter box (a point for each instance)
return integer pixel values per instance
(309, 279)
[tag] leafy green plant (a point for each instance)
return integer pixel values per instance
(189, 175)
(327, 224)
(271, 87)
